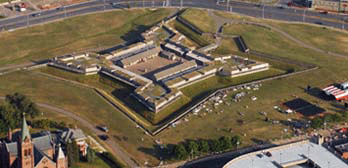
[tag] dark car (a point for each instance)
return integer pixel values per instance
(104, 137)
(318, 22)
(324, 12)
(103, 128)
(36, 14)
(269, 154)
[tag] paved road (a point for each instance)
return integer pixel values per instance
(271, 12)
(114, 148)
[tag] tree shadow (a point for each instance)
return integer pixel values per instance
(161, 152)
(109, 161)
(260, 141)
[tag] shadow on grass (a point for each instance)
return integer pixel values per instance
(318, 93)
(134, 35)
(161, 152)
(194, 101)
(260, 141)
(110, 160)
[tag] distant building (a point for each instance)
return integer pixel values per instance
(330, 5)
(299, 154)
(28, 152)
(76, 135)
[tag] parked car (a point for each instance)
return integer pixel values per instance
(36, 14)
(269, 154)
(103, 128)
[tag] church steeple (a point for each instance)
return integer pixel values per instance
(25, 147)
(25, 130)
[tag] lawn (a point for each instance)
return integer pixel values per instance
(323, 38)
(209, 85)
(82, 101)
(212, 125)
(75, 34)
(86, 103)
(205, 22)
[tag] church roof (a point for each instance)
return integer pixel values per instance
(25, 130)
(39, 156)
(12, 148)
(43, 142)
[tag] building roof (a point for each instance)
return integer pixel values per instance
(38, 156)
(290, 154)
(146, 54)
(12, 148)
(75, 134)
(199, 56)
(176, 47)
(43, 142)
(175, 69)
(25, 130)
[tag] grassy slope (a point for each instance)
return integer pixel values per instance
(323, 38)
(73, 35)
(79, 100)
(332, 69)
(205, 22)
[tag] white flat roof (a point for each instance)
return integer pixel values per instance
(288, 153)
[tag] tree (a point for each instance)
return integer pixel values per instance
(22, 104)
(90, 155)
(72, 152)
(236, 140)
(180, 152)
(192, 148)
(203, 146)
(225, 143)
(215, 145)
(10, 116)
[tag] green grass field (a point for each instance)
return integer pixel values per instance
(28, 44)
(205, 22)
(332, 69)
(82, 101)
(75, 34)
(323, 38)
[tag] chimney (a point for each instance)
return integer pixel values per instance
(9, 135)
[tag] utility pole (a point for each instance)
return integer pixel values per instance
(231, 9)
(143, 3)
(104, 4)
(153, 3)
(263, 12)
(228, 4)
(28, 20)
(181, 3)
(65, 11)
